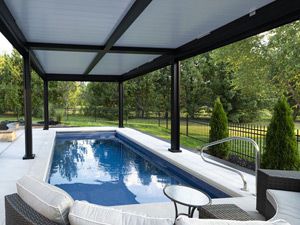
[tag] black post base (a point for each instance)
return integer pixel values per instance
(25, 157)
(174, 150)
(46, 128)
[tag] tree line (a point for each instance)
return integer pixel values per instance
(247, 76)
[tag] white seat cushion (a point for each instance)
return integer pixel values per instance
(48, 200)
(133, 219)
(183, 220)
(84, 213)
(286, 204)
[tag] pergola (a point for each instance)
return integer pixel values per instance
(117, 40)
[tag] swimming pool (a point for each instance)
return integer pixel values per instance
(106, 168)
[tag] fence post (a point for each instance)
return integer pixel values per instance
(159, 119)
(187, 125)
(67, 113)
(167, 120)
(262, 140)
(297, 139)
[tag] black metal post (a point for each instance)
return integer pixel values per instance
(167, 120)
(187, 125)
(46, 106)
(158, 118)
(27, 106)
(175, 111)
(121, 104)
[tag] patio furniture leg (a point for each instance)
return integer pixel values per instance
(191, 214)
(176, 210)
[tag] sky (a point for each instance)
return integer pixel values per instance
(5, 46)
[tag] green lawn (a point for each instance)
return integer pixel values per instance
(160, 131)
(85, 121)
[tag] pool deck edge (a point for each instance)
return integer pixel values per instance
(222, 179)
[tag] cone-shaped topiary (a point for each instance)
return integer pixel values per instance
(218, 130)
(281, 147)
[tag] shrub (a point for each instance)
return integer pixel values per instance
(58, 116)
(38, 112)
(3, 125)
(281, 147)
(218, 130)
(52, 111)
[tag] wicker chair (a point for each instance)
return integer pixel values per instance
(17, 212)
(274, 179)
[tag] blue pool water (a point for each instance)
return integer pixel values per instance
(105, 168)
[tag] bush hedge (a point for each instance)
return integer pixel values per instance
(218, 130)
(281, 146)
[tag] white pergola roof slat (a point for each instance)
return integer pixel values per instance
(68, 21)
(170, 24)
(116, 63)
(60, 62)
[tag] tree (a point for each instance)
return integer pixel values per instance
(139, 95)
(11, 95)
(218, 130)
(162, 90)
(248, 69)
(281, 147)
(37, 95)
(192, 85)
(284, 61)
(102, 99)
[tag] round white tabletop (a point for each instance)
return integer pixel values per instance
(186, 196)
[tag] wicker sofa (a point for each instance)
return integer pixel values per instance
(18, 212)
(278, 194)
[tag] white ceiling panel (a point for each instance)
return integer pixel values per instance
(64, 62)
(117, 64)
(172, 23)
(68, 21)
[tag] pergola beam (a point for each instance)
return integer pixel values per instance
(97, 48)
(155, 64)
(81, 77)
(133, 13)
(273, 15)
(35, 64)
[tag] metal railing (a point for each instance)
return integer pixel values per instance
(257, 157)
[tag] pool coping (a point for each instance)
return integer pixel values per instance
(184, 163)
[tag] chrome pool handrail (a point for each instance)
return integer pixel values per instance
(257, 158)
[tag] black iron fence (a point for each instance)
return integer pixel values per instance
(199, 130)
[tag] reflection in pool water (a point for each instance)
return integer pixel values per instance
(106, 171)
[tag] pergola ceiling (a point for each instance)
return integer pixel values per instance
(114, 40)
(170, 24)
(68, 21)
